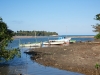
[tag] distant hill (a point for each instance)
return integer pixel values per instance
(34, 33)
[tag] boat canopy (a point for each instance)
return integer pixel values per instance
(59, 38)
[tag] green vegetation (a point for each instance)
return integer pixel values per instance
(33, 33)
(97, 66)
(97, 36)
(5, 38)
(97, 27)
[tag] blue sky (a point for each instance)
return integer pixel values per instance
(66, 17)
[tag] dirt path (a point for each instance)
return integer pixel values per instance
(79, 57)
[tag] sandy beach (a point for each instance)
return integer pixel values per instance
(78, 57)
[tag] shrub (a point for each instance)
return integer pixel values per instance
(97, 36)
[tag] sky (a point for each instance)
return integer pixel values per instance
(66, 17)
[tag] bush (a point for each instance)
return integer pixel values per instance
(97, 36)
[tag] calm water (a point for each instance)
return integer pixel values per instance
(26, 66)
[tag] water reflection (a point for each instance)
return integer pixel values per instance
(4, 70)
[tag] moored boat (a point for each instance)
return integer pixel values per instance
(59, 41)
(53, 42)
(35, 44)
(72, 41)
(38, 44)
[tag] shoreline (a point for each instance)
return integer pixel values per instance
(78, 57)
(16, 37)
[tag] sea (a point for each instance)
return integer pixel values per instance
(26, 66)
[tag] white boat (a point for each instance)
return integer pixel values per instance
(53, 42)
(36, 44)
(31, 44)
(64, 39)
(59, 41)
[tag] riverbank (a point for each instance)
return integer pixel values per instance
(78, 57)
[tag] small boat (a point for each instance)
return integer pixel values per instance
(72, 41)
(38, 44)
(53, 42)
(59, 41)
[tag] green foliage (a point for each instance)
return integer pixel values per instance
(32, 33)
(97, 27)
(97, 36)
(97, 66)
(98, 17)
(5, 38)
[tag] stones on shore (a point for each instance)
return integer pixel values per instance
(65, 49)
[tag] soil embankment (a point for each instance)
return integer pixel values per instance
(78, 57)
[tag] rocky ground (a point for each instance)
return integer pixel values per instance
(78, 57)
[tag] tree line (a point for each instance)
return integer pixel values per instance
(34, 33)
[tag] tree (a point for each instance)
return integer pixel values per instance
(6, 38)
(97, 27)
(98, 17)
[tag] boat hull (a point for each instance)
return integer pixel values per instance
(60, 41)
(31, 45)
(53, 43)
